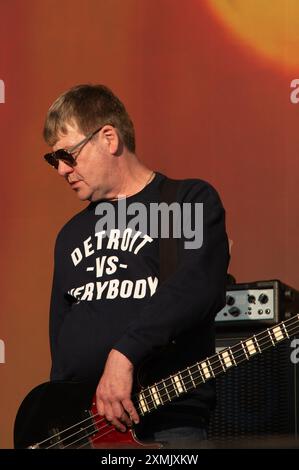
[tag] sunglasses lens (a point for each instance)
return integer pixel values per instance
(49, 157)
(53, 158)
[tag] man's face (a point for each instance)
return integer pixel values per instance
(90, 175)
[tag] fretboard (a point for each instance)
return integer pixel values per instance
(166, 390)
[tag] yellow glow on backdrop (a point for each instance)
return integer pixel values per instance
(268, 27)
(207, 85)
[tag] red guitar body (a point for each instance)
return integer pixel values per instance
(64, 415)
(112, 438)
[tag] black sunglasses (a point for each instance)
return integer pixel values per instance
(66, 155)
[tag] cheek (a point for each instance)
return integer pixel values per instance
(94, 175)
(91, 173)
(84, 173)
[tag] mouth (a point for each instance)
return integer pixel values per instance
(73, 184)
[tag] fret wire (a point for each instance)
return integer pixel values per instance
(194, 367)
(140, 409)
(147, 395)
(158, 393)
(244, 350)
(199, 379)
(241, 361)
(205, 369)
(185, 379)
(257, 343)
(182, 381)
(194, 385)
(286, 332)
(278, 333)
(220, 360)
(188, 385)
(139, 404)
(199, 368)
(232, 355)
(178, 383)
(168, 396)
(267, 342)
(251, 349)
(143, 402)
(263, 335)
(170, 388)
(271, 336)
(266, 336)
(152, 397)
(211, 369)
(174, 387)
(227, 356)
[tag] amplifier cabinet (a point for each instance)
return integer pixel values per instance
(257, 398)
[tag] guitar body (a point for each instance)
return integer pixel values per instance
(63, 415)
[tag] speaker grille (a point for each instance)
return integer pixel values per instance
(257, 398)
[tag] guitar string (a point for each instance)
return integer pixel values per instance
(107, 432)
(87, 436)
(187, 383)
(93, 424)
(93, 432)
(151, 408)
(89, 418)
(244, 359)
(264, 335)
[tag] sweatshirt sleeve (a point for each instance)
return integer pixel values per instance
(194, 293)
(59, 307)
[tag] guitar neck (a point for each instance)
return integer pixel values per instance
(166, 390)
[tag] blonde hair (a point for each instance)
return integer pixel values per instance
(90, 106)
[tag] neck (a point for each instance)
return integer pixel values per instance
(129, 178)
(139, 186)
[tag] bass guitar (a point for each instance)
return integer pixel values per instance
(64, 415)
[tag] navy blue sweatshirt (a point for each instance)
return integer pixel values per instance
(106, 294)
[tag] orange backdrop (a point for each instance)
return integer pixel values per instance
(207, 84)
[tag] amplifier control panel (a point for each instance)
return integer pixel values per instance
(248, 304)
(258, 303)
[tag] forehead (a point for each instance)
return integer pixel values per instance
(72, 136)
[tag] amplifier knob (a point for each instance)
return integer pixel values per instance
(263, 298)
(251, 299)
(230, 300)
(234, 311)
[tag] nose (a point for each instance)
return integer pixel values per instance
(63, 168)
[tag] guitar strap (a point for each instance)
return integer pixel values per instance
(168, 247)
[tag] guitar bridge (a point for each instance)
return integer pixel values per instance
(75, 436)
(93, 426)
(56, 442)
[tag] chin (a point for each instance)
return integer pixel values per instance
(83, 196)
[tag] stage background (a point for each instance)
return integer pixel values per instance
(208, 85)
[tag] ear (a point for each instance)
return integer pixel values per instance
(111, 139)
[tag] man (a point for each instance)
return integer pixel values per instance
(109, 313)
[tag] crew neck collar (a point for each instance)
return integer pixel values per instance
(146, 189)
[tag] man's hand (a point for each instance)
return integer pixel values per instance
(114, 391)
